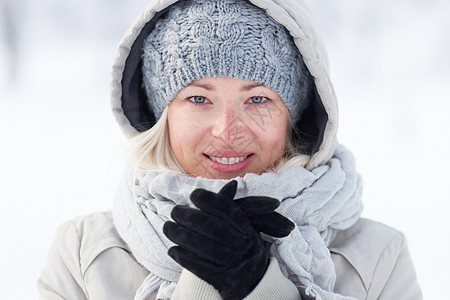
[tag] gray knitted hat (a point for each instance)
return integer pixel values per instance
(225, 38)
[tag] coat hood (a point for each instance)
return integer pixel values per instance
(318, 125)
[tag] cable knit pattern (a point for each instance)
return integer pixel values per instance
(320, 202)
(225, 38)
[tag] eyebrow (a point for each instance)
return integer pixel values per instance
(210, 87)
(207, 87)
(251, 86)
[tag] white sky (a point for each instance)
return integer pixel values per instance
(60, 145)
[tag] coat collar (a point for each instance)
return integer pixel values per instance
(363, 245)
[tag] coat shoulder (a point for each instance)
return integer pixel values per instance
(94, 234)
(370, 248)
(89, 260)
(370, 235)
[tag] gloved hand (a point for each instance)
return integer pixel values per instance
(220, 244)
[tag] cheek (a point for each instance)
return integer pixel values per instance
(276, 142)
(274, 136)
(184, 132)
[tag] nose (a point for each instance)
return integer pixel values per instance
(229, 126)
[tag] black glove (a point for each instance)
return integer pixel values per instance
(219, 243)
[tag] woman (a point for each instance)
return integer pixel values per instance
(231, 115)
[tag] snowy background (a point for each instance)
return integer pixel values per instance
(61, 150)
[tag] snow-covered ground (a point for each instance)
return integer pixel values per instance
(61, 150)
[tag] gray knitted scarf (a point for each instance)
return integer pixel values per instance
(321, 202)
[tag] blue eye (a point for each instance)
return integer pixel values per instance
(258, 99)
(198, 99)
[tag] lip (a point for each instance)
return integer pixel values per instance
(237, 167)
(228, 153)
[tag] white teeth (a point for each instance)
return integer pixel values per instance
(228, 161)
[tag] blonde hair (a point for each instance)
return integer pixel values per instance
(151, 150)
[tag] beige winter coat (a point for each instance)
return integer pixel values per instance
(89, 260)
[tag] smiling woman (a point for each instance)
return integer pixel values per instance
(220, 128)
(226, 117)
(236, 188)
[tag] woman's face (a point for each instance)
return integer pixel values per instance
(223, 127)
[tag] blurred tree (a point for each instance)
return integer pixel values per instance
(11, 36)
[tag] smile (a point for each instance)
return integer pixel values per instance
(228, 160)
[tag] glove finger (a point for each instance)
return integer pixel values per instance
(273, 224)
(202, 246)
(223, 208)
(192, 262)
(207, 225)
(257, 205)
(229, 190)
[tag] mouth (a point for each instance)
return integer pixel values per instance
(228, 160)
(229, 163)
